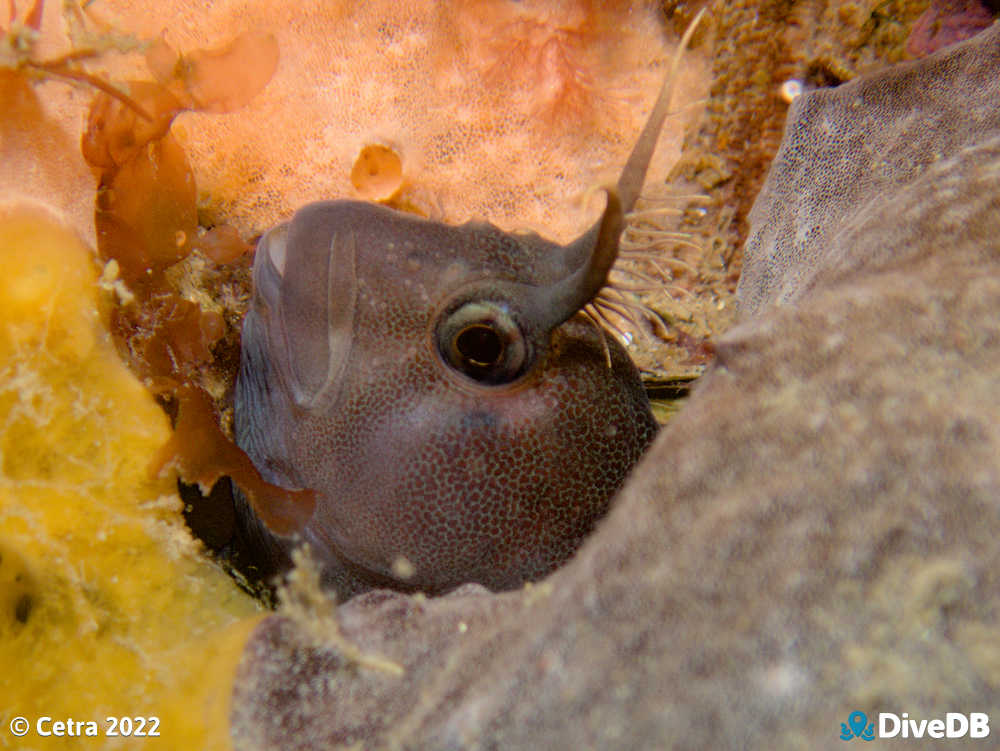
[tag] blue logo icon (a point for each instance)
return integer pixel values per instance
(857, 727)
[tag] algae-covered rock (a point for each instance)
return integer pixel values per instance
(107, 606)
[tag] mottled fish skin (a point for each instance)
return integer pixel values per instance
(436, 387)
(412, 460)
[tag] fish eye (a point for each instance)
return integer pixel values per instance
(483, 341)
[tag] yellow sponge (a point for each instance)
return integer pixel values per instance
(107, 606)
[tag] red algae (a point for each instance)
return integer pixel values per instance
(201, 453)
(116, 131)
(147, 221)
(221, 80)
(32, 19)
(554, 59)
(223, 244)
(169, 339)
(146, 215)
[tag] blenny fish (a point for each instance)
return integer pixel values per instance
(438, 389)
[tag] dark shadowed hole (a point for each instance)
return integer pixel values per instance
(23, 608)
(211, 518)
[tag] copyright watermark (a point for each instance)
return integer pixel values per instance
(20, 726)
(109, 727)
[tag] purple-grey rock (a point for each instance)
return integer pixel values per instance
(816, 532)
(850, 152)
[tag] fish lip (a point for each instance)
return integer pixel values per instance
(331, 555)
(269, 267)
(273, 244)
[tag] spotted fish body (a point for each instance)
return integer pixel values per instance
(343, 389)
(436, 388)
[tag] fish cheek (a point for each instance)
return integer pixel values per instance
(492, 485)
(350, 454)
(431, 485)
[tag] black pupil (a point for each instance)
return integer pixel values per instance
(480, 345)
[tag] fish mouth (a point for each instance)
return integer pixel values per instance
(274, 244)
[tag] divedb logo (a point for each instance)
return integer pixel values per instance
(952, 725)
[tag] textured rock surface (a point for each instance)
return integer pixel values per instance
(850, 154)
(816, 531)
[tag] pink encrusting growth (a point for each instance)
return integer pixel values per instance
(498, 109)
(552, 57)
